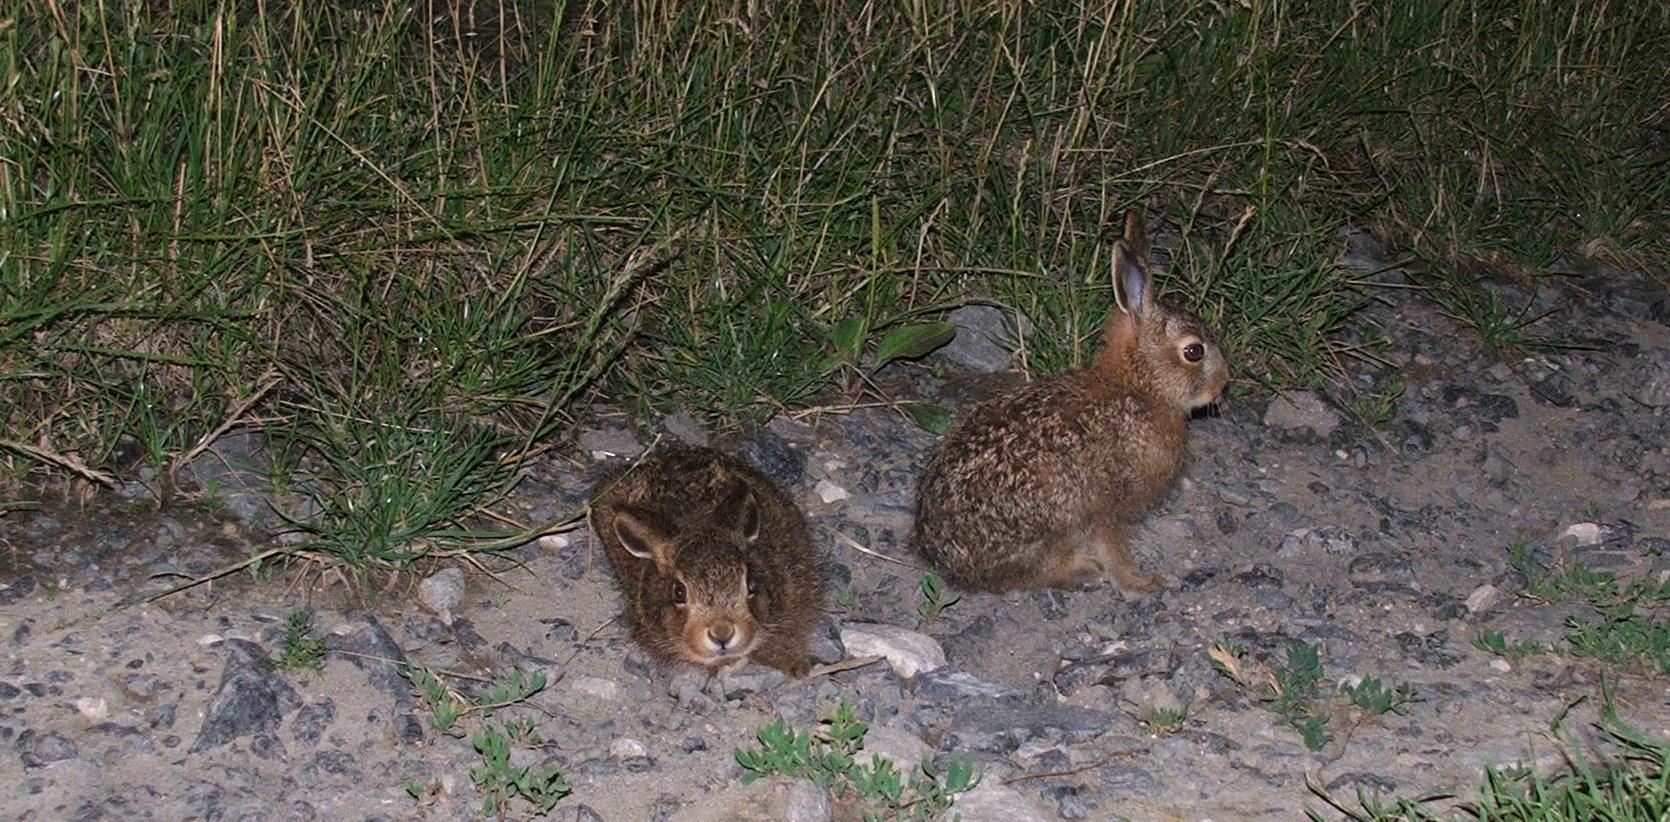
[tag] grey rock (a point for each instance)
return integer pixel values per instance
(1001, 729)
(767, 800)
(776, 458)
(14, 593)
(610, 442)
(312, 720)
(905, 750)
(684, 425)
(983, 334)
(1652, 388)
(752, 679)
(1127, 780)
(946, 686)
(1300, 411)
(824, 645)
(371, 649)
(991, 801)
(251, 698)
(38, 749)
(442, 591)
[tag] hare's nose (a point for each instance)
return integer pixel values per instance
(722, 634)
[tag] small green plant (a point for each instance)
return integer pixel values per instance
(828, 755)
(1165, 720)
(497, 779)
(1375, 698)
(1496, 643)
(935, 597)
(302, 649)
(847, 599)
(1293, 690)
(1376, 407)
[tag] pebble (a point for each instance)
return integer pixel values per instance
(905, 750)
(1483, 598)
(627, 748)
(829, 492)
(596, 687)
(94, 708)
(907, 652)
(441, 591)
(1585, 533)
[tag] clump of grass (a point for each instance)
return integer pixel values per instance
(827, 757)
(1496, 643)
(1293, 690)
(302, 649)
(499, 781)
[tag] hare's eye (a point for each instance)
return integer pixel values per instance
(1193, 352)
(679, 594)
(752, 588)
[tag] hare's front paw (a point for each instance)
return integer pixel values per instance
(1131, 580)
(1077, 571)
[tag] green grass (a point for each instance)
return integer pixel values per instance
(1292, 689)
(1622, 777)
(409, 246)
(1625, 623)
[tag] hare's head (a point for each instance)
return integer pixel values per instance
(704, 592)
(1154, 344)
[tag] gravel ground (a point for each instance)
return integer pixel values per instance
(1388, 546)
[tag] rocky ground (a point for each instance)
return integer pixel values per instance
(1386, 545)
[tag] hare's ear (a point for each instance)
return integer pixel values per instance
(1130, 280)
(645, 535)
(740, 511)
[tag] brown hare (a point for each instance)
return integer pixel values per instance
(1030, 479)
(716, 564)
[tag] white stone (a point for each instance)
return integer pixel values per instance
(1483, 598)
(595, 687)
(1501, 665)
(992, 802)
(626, 748)
(93, 707)
(829, 492)
(907, 652)
(1586, 533)
(553, 542)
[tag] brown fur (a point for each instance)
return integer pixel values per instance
(713, 524)
(1030, 479)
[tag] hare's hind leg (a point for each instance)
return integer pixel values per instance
(1063, 564)
(1115, 550)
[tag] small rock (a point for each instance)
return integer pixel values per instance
(994, 802)
(1301, 410)
(1585, 533)
(944, 686)
(824, 646)
(252, 698)
(610, 442)
(766, 800)
(37, 749)
(1483, 598)
(626, 748)
(370, 648)
(94, 708)
(904, 750)
(982, 332)
(752, 679)
(683, 425)
(442, 591)
(907, 652)
(829, 492)
(1653, 390)
(553, 542)
(776, 458)
(596, 687)
(1501, 665)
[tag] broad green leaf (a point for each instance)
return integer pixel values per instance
(912, 341)
(930, 418)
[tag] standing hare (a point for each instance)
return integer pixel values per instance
(715, 562)
(1030, 478)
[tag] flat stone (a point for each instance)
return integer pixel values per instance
(442, 591)
(603, 443)
(982, 340)
(1301, 410)
(993, 802)
(907, 652)
(252, 698)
